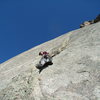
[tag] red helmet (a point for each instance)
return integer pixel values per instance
(43, 53)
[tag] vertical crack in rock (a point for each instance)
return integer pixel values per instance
(59, 49)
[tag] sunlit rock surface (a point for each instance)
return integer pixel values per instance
(74, 75)
(86, 23)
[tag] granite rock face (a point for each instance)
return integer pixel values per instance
(74, 75)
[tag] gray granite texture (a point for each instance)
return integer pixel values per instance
(74, 75)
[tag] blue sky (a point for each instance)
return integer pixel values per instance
(27, 23)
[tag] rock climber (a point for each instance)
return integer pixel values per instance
(46, 59)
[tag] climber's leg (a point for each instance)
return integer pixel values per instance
(41, 63)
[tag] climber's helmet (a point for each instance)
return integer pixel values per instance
(43, 53)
